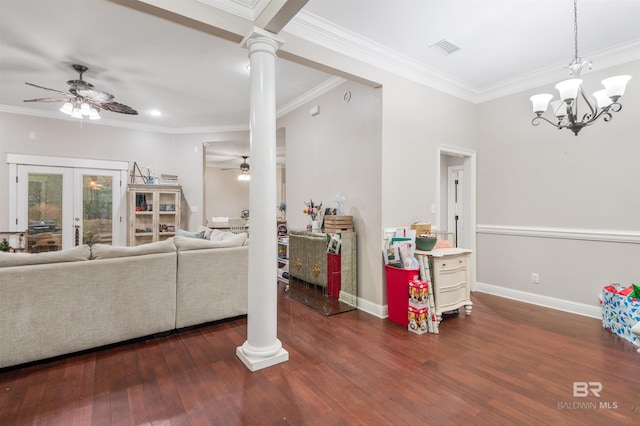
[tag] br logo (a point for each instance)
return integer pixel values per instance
(584, 389)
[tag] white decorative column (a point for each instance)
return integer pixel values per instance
(262, 348)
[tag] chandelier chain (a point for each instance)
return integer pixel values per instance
(575, 28)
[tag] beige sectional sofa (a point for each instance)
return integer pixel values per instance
(72, 300)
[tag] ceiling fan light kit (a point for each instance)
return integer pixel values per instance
(80, 111)
(83, 100)
(565, 110)
(244, 170)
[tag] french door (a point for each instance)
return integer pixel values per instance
(67, 206)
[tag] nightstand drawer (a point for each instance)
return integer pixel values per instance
(452, 297)
(452, 278)
(451, 263)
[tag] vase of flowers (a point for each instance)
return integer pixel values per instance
(312, 211)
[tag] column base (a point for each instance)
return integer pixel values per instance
(257, 362)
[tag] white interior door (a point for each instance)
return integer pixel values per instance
(64, 206)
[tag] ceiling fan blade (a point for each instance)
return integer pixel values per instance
(96, 95)
(49, 100)
(46, 88)
(117, 107)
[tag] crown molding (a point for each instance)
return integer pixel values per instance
(322, 32)
(102, 122)
(308, 96)
(319, 31)
(124, 124)
(603, 59)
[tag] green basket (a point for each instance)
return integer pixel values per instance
(426, 244)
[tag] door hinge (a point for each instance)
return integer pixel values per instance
(16, 179)
(16, 221)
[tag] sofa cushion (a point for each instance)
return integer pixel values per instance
(218, 235)
(104, 251)
(197, 234)
(184, 243)
(207, 231)
(73, 254)
(237, 239)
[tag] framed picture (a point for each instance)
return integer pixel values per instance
(334, 244)
(329, 211)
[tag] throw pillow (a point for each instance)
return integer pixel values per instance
(217, 235)
(207, 231)
(236, 239)
(183, 233)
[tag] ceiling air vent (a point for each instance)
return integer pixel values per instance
(444, 47)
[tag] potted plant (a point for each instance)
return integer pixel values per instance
(4, 245)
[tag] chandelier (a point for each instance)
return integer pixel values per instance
(565, 110)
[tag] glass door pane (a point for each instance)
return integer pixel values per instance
(97, 205)
(45, 211)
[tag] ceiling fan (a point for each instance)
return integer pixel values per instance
(83, 99)
(244, 169)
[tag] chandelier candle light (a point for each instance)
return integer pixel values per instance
(566, 108)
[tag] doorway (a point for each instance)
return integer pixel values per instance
(66, 206)
(457, 163)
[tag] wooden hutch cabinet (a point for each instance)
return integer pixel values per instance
(154, 212)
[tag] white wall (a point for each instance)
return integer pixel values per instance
(225, 195)
(541, 180)
(65, 138)
(338, 151)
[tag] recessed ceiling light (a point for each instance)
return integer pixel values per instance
(155, 113)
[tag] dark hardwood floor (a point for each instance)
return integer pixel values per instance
(508, 363)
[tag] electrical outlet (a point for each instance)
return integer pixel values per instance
(535, 278)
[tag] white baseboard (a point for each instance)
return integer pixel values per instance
(374, 309)
(541, 300)
(381, 311)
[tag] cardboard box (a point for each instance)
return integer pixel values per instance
(421, 228)
(418, 294)
(417, 319)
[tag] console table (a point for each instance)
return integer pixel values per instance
(449, 277)
(327, 282)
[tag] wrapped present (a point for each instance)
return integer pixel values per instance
(418, 294)
(620, 312)
(417, 320)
